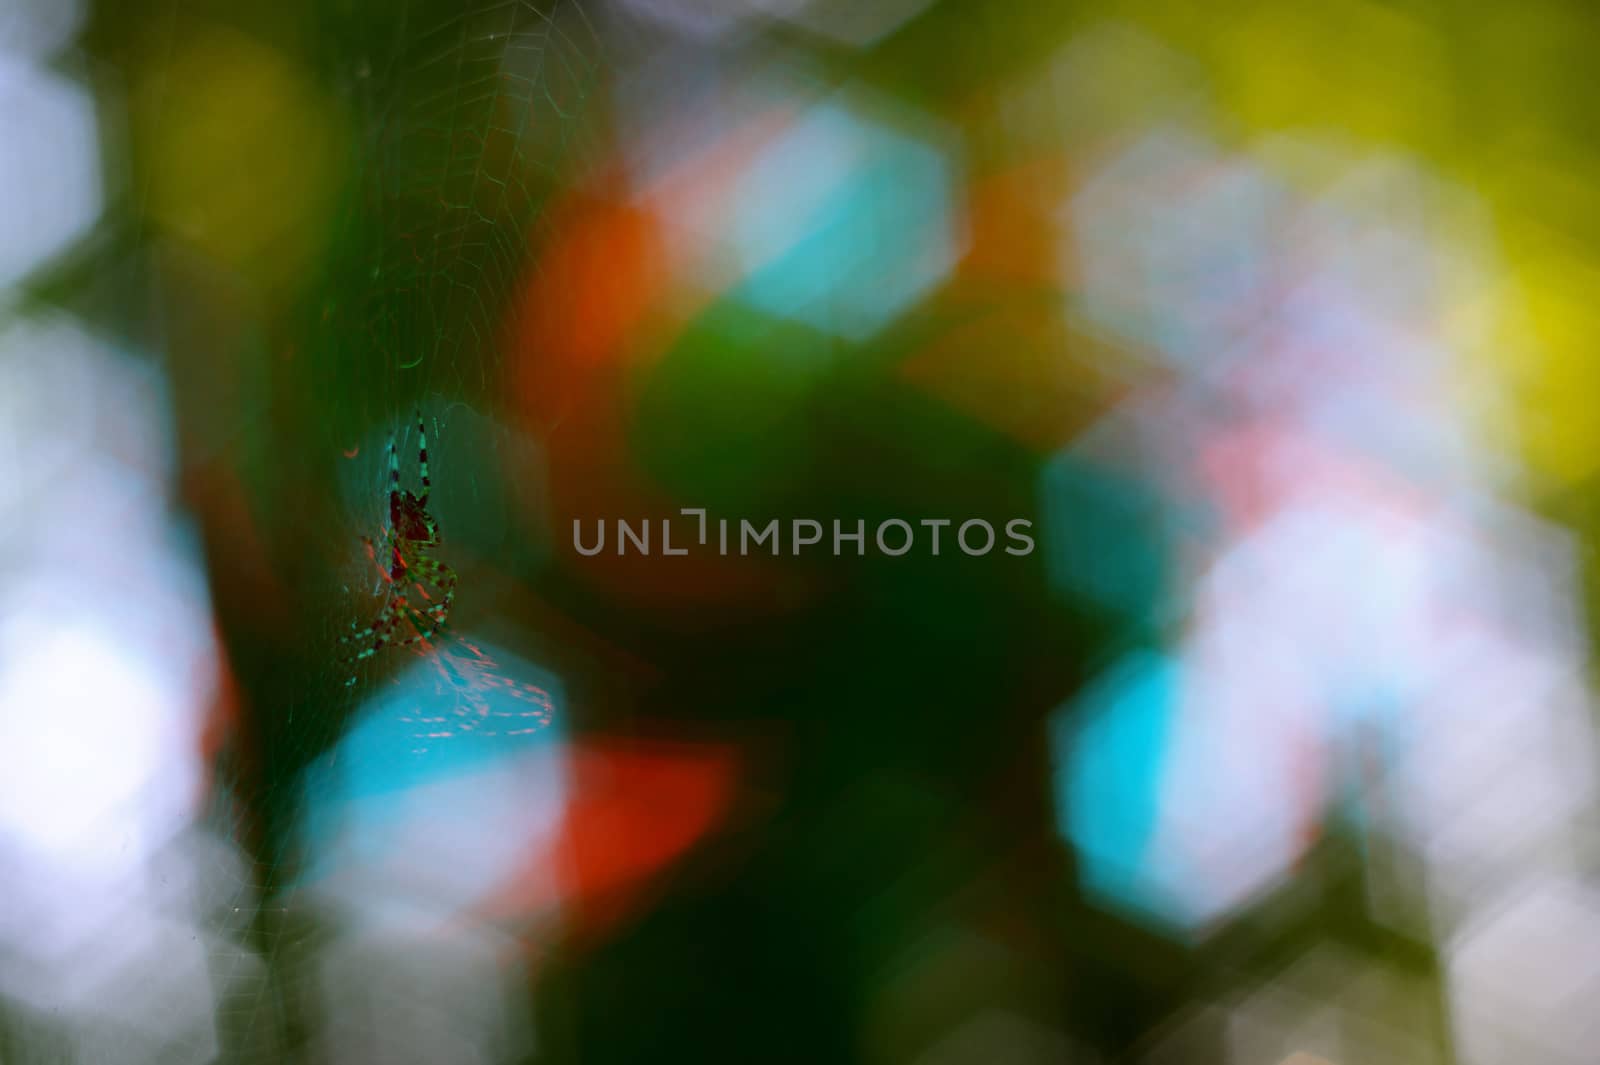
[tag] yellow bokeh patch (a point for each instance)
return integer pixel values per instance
(238, 153)
(1560, 375)
(1361, 68)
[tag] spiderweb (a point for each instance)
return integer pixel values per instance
(465, 120)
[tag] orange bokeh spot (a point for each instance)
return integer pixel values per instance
(1013, 236)
(594, 306)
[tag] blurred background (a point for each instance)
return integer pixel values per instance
(1277, 321)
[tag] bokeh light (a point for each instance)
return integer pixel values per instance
(323, 328)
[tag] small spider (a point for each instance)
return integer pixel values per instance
(406, 543)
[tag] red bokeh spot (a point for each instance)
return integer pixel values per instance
(634, 808)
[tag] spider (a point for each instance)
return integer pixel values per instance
(406, 542)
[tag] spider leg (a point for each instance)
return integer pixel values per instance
(422, 459)
(358, 635)
(443, 579)
(425, 632)
(394, 484)
(378, 633)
